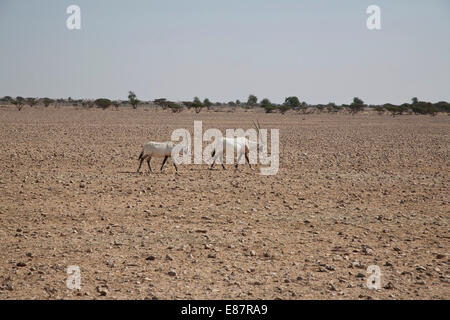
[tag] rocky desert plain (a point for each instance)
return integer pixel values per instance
(352, 191)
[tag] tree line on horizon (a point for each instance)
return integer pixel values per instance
(290, 103)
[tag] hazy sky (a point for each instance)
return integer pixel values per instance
(320, 51)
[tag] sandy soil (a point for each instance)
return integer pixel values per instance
(352, 191)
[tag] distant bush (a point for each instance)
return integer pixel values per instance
(197, 105)
(356, 106)
(207, 103)
(379, 109)
(162, 102)
(176, 108)
(18, 102)
(396, 110)
(31, 101)
(268, 106)
(47, 101)
(134, 101)
(421, 107)
(251, 101)
(102, 103)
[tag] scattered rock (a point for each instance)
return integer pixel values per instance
(388, 286)
(102, 291)
(172, 273)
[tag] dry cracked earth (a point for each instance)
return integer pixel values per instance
(352, 191)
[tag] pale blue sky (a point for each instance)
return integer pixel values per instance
(320, 51)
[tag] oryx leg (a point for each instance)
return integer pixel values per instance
(215, 155)
(175, 165)
(237, 162)
(164, 161)
(140, 164)
(148, 162)
(246, 157)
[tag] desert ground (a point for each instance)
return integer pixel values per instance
(351, 191)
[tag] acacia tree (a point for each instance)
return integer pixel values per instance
(175, 107)
(102, 103)
(162, 102)
(133, 99)
(31, 101)
(47, 101)
(7, 99)
(197, 104)
(356, 106)
(268, 106)
(207, 103)
(290, 103)
(252, 101)
(18, 102)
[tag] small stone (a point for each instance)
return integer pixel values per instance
(172, 273)
(169, 258)
(103, 291)
(150, 258)
(360, 275)
(389, 286)
(252, 253)
(421, 268)
(21, 264)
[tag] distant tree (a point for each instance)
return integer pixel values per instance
(102, 103)
(175, 107)
(292, 103)
(188, 104)
(162, 102)
(379, 109)
(356, 106)
(7, 99)
(134, 101)
(88, 103)
(422, 107)
(207, 103)
(197, 104)
(47, 101)
(442, 106)
(414, 100)
(116, 104)
(238, 102)
(320, 108)
(31, 101)
(268, 106)
(252, 101)
(396, 110)
(18, 102)
(332, 107)
(60, 101)
(284, 108)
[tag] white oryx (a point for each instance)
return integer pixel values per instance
(242, 145)
(158, 150)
